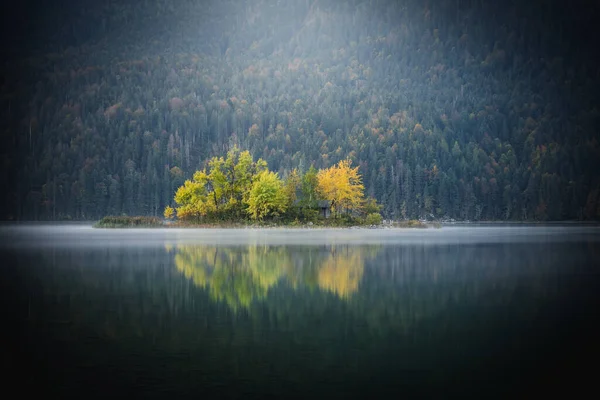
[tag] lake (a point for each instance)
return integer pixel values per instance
(486, 311)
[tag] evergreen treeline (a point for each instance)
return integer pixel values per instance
(458, 109)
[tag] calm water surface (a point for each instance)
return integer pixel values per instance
(477, 311)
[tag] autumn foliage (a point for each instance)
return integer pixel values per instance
(238, 188)
(342, 185)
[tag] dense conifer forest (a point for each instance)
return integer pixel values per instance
(464, 109)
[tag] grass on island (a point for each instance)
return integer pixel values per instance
(343, 221)
(412, 223)
(129, 222)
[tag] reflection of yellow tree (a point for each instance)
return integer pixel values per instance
(240, 275)
(342, 271)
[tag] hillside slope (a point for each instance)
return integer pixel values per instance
(465, 109)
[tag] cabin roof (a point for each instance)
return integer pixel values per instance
(324, 203)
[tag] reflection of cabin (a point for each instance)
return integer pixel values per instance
(324, 208)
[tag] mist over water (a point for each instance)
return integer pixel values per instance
(84, 235)
(296, 313)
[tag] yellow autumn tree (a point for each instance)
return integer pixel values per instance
(169, 212)
(193, 199)
(342, 185)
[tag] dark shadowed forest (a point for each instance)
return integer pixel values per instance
(472, 110)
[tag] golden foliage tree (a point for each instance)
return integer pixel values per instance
(194, 199)
(169, 212)
(342, 185)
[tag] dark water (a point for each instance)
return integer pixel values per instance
(486, 312)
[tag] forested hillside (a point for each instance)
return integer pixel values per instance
(463, 109)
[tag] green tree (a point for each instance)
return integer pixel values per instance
(267, 196)
(373, 219)
(310, 183)
(370, 206)
(222, 190)
(230, 180)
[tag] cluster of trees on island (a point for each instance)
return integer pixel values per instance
(236, 187)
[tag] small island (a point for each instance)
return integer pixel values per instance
(155, 222)
(236, 191)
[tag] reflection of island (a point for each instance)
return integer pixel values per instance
(239, 275)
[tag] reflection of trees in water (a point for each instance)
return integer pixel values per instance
(134, 293)
(236, 276)
(341, 274)
(239, 275)
(420, 306)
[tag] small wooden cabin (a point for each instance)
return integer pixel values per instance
(324, 208)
